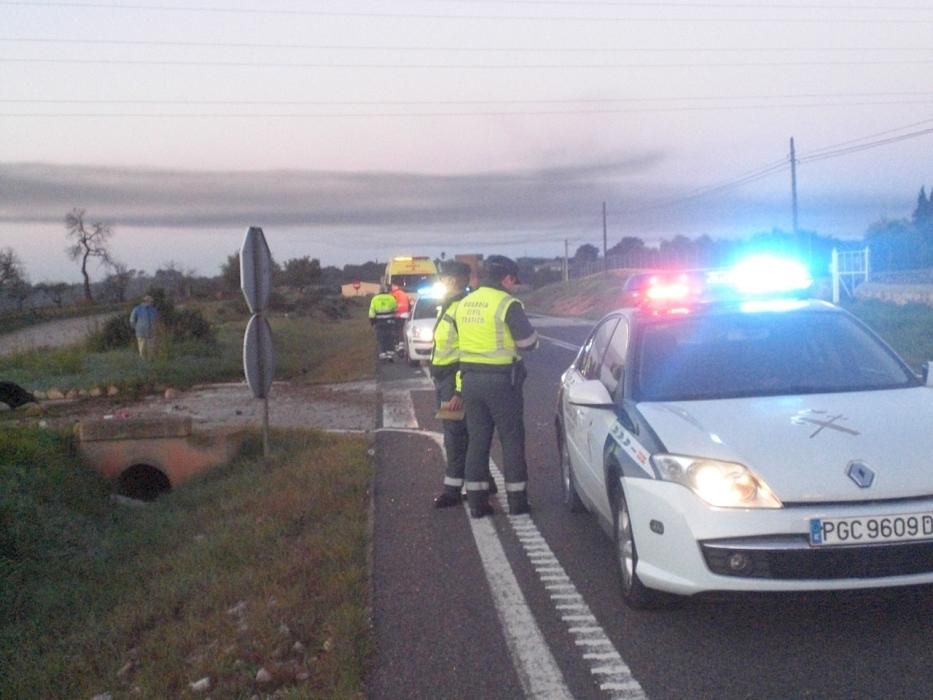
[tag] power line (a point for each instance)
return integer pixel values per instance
(457, 66)
(530, 101)
(447, 17)
(875, 135)
(865, 146)
(464, 49)
(437, 114)
(691, 5)
(778, 166)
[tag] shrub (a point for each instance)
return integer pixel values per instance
(115, 333)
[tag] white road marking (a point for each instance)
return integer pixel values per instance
(534, 663)
(398, 411)
(531, 656)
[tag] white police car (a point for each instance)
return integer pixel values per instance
(419, 328)
(748, 443)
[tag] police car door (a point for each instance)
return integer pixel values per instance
(609, 372)
(579, 419)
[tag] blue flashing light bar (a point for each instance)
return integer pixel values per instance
(762, 275)
(438, 290)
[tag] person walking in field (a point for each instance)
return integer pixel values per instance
(143, 319)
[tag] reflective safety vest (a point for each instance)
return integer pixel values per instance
(382, 306)
(446, 350)
(482, 333)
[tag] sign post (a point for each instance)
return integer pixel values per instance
(258, 351)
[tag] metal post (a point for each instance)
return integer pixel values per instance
(605, 259)
(265, 427)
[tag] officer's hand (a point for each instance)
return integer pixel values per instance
(455, 403)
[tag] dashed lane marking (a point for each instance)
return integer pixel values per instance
(534, 663)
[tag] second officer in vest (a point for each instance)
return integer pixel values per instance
(493, 330)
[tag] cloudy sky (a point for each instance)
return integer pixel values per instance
(352, 130)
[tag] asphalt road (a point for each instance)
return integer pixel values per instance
(448, 623)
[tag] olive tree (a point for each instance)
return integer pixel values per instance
(88, 241)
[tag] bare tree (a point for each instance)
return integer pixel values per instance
(89, 242)
(10, 267)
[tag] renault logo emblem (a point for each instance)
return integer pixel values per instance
(860, 474)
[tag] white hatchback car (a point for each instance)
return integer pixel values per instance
(419, 329)
(756, 445)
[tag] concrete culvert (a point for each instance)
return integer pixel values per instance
(143, 482)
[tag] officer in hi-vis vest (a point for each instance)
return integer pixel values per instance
(445, 364)
(492, 330)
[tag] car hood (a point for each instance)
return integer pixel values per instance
(802, 446)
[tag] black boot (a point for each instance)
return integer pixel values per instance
(449, 497)
(479, 503)
(518, 503)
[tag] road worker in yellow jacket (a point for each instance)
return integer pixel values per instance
(382, 316)
(493, 331)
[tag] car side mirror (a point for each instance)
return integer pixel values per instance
(592, 393)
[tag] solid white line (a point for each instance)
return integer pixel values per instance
(534, 663)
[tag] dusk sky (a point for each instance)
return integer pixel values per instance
(352, 130)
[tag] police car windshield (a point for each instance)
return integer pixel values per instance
(729, 355)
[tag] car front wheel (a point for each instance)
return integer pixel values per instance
(569, 493)
(635, 594)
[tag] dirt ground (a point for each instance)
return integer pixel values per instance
(341, 407)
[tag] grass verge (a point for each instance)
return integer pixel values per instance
(258, 565)
(308, 350)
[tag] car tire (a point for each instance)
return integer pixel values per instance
(413, 363)
(634, 593)
(568, 484)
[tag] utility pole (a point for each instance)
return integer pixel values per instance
(793, 182)
(605, 259)
(565, 276)
(793, 191)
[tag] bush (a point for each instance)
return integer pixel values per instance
(114, 334)
(190, 324)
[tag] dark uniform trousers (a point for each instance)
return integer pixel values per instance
(385, 334)
(492, 402)
(455, 431)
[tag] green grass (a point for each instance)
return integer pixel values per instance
(908, 328)
(307, 350)
(258, 564)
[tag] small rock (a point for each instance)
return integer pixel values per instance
(83, 393)
(302, 676)
(237, 609)
(171, 393)
(112, 390)
(55, 394)
(103, 696)
(40, 395)
(263, 676)
(72, 394)
(328, 645)
(4, 408)
(34, 409)
(298, 648)
(95, 392)
(283, 629)
(201, 686)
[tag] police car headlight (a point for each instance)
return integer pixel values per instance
(721, 484)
